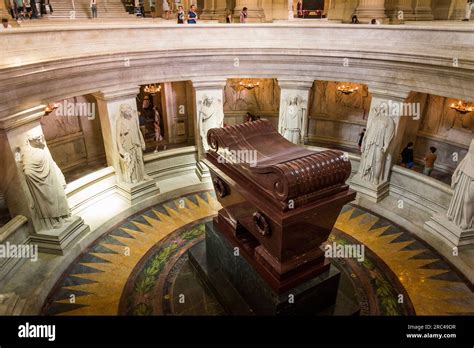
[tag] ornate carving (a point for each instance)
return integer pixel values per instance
(210, 115)
(261, 224)
(291, 115)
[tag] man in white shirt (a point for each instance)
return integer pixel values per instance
(5, 24)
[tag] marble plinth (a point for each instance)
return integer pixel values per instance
(448, 231)
(137, 192)
(202, 172)
(242, 291)
(11, 304)
(374, 193)
(58, 240)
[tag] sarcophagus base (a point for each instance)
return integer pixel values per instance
(241, 290)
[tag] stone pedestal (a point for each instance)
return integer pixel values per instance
(202, 171)
(11, 304)
(136, 192)
(290, 89)
(58, 240)
(399, 11)
(371, 9)
(242, 291)
(374, 193)
(448, 231)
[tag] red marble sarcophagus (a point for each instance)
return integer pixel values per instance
(280, 201)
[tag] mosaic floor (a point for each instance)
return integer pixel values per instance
(140, 267)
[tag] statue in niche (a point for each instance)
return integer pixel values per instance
(210, 115)
(461, 208)
(292, 119)
(130, 145)
(379, 134)
(45, 181)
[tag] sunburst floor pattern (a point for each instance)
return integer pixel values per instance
(141, 267)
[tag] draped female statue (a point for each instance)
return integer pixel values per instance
(461, 208)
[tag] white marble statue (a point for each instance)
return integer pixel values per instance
(130, 144)
(210, 115)
(380, 132)
(461, 208)
(45, 181)
(292, 119)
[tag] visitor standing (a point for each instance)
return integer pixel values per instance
(20, 9)
(355, 20)
(180, 15)
(192, 15)
(244, 15)
(429, 161)
(361, 138)
(94, 8)
(166, 9)
(228, 16)
(5, 24)
(299, 9)
(407, 156)
(469, 6)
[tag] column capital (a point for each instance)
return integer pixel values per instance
(21, 118)
(208, 83)
(295, 83)
(117, 92)
(395, 94)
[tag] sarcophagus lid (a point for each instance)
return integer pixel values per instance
(286, 174)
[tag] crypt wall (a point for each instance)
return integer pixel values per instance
(439, 126)
(262, 101)
(74, 136)
(336, 119)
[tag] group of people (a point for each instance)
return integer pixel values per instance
(28, 9)
(408, 158)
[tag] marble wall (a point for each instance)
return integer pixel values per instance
(74, 136)
(441, 127)
(336, 119)
(262, 101)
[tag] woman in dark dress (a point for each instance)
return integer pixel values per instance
(192, 15)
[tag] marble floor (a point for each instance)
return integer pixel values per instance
(140, 267)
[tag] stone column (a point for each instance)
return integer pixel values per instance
(4, 10)
(423, 10)
(209, 101)
(111, 104)
(399, 11)
(28, 175)
(214, 10)
(382, 142)
(294, 95)
(255, 10)
(370, 9)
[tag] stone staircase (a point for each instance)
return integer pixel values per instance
(11, 304)
(63, 9)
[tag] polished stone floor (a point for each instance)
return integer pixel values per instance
(140, 267)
